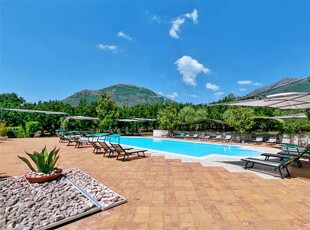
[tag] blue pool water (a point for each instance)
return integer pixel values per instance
(193, 149)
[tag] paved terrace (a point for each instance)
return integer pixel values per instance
(165, 193)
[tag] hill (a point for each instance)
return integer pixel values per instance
(282, 86)
(122, 94)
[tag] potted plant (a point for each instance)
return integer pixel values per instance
(45, 162)
(3, 131)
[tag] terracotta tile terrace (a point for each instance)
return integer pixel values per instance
(167, 193)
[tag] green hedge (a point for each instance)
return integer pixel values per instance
(32, 127)
(16, 131)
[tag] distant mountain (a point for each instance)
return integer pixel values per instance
(282, 86)
(122, 94)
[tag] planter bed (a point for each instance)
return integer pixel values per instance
(74, 195)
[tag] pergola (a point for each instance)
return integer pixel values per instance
(290, 100)
(83, 118)
(48, 112)
(289, 116)
(136, 120)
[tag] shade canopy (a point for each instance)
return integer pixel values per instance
(205, 121)
(291, 100)
(83, 118)
(49, 112)
(34, 111)
(136, 120)
(289, 116)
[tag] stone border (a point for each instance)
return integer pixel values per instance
(25, 205)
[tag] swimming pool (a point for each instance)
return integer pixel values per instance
(194, 149)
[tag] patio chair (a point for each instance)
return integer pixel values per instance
(72, 139)
(97, 148)
(258, 140)
(106, 148)
(217, 137)
(294, 151)
(194, 136)
(227, 138)
(276, 166)
(271, 141)
(79, 141)
(285, 141)
(181, 135)
(121, 151)
(205, 138)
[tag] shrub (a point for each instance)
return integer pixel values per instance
(16, 131)
(31, 127)
(3, 129)
(45, 161)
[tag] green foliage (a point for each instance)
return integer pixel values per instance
(293, 126)
(31, 127)
(64, 123)
(167, 117)
(187, 114)
(201, 114)
(10, 99)
(308, 113)
(122, 94)
(17, 131)
(107, 111)
(241, 118)
(3, 129)
(45, 161)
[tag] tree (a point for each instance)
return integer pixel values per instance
(242, 119)
(107, 111)
(31, 127)
(187, 114)
(294, 126)
(167, 117)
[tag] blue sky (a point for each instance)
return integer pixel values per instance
(189, 50)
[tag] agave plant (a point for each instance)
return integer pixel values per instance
(45, 161)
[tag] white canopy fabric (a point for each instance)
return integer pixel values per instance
(144, 119)
(34, 111)
(83, 118)
(136, 120)
(126, 120)
(289, 116)
(291, 100)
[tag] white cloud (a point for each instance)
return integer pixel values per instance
(193, 95)
(175, 28)
(190, 68)
(107, 47)
(212, 86)
(243, 89)
(156, 19)
(173, 95)
(193, 16)
(123, 35)
(247, 82)
(176, 23)
(218, 94)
